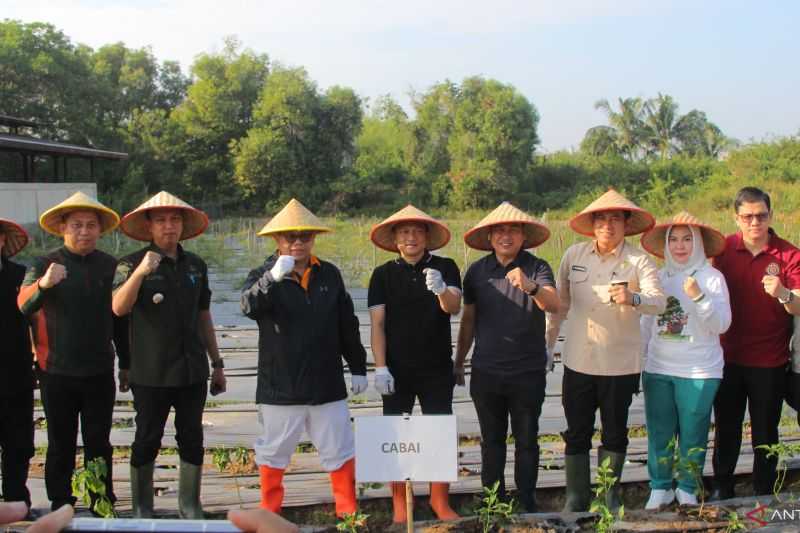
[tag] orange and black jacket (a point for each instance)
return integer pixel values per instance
(16, 358)
(305, 328)
(72, 323)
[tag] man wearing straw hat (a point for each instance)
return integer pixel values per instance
(306, 324)
(165, 291)
(506, 294)
(605, 285)
(763, 274)
(16, 370)
(411, 299)
(63, 292)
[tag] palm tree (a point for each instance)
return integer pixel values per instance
(663, 125)
(627, 122)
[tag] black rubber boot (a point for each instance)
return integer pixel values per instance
(189, 491)
(616, 462)
(142, 490)
(579, 490)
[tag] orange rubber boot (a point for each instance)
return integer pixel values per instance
(440, 502)
(343, 484)
(399, 503)
(271, 488)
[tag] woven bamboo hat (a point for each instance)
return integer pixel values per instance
(383, 234)
(639, 222)
(16, 237)
(535, 232)
(654, 240)
(293, 217)
(134, 224)
(51, 220)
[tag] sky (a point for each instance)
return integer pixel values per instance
(737, 60)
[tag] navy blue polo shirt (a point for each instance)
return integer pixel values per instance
(418, 339)
(509, 326)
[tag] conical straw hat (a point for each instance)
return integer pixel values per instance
(293, 217)
(654, 240)
(16, 237)
(535, 232)
(134, 224)
(51, 220)
(639, 222)
(383, 234)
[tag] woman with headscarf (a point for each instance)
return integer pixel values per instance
(683, 356)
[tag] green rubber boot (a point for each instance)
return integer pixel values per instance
(579, 490)
(616, 462)
(189, 491)
(142, 490)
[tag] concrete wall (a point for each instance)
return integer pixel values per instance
(24, 202)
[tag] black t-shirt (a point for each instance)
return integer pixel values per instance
(509, 326)
(418, 339)
(166, 347)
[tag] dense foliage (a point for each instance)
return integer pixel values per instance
(242, 134)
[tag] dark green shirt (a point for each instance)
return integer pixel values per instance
(167, 349)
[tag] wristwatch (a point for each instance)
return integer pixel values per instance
(219, 363)
(637, 300)
(788, 298)
(534, 290)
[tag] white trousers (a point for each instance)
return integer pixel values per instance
(327, 424)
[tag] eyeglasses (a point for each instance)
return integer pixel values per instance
(302, 237)
(749, 217)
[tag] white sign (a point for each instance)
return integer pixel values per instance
(396, 448)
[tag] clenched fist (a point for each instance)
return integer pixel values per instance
(434, 281)
(774, 287)
(691, 288)
(55, 274)
(518, 279)
(283, 266)
(149, 264)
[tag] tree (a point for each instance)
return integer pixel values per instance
(628, 124)
(600, 140)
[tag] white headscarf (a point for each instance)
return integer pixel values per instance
(697, 259)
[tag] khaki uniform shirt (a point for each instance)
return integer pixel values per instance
(603, 338)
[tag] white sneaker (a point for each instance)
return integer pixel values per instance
(659, 498)
(685, 498)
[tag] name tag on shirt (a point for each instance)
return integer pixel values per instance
(578, 268)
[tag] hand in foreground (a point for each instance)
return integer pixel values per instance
(55, 274)
(691, 288)
(620, 295)
(49, 523)
(434, 281)
(458, 373)
(358, 384)
(261, 521)
(124, 384)
(283, 266)
(384, 381)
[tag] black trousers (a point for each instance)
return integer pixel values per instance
(435, 394)
(152, 406)
(16, 441)
(65, 400)
(582, 395)
(520, 398)
(761, 390)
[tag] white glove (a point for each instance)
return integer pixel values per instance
(384, 381)
(283, 266)
(434, 281)
(358, 384)
(550, 365)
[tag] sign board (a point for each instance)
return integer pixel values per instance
(396, 448)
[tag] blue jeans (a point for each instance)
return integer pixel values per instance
(677, 410)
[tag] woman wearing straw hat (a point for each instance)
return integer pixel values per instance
(16, 370)
(63, 292)
(683, 355)
(411, 299)
(506, 294)
(165, 291)
(605, 285)
(306, 324)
